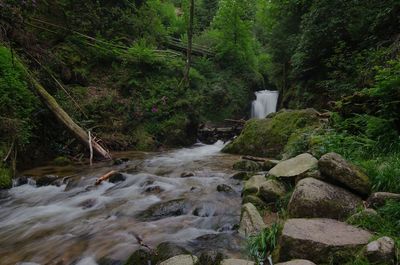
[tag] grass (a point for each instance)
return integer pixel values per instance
(260, 246)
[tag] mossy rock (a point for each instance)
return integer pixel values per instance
(268, 137)
(61, 161)
(5, 178)
(247, 165)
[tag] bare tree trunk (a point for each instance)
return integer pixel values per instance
(65, 119)
(190, 44)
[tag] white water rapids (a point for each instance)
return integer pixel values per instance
(80, 225)
(264, 104)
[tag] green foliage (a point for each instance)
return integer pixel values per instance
(5, 178)
(17, 102)
(260, 246)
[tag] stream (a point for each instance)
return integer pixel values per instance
(80, 223)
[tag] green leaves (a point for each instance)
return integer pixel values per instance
(260, 246)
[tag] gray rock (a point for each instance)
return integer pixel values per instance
(48, 180)
(168, 250)
(180, 260)
(187, 174)
(381, 251)
(315, 198)
(253, 185)
(251, 222)
(269, 163)
(320, 240)
(164, 209)
(224, 188)
(294, 166)
(335, 167)
(364, 213)
(247, 165)
(379, 199)
(116, 177)
(272, 190)
(297, 262)
(236, 262)
(242, 175)
(256, 201)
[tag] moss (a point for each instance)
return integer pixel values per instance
(61, 161)
(268, 137)
(5, 178)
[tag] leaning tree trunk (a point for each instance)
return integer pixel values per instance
(65, 119)
(190, 44)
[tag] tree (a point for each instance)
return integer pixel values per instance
(190, 43)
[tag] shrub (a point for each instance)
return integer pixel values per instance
(260, 246)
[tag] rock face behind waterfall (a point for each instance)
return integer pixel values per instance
(268, 137)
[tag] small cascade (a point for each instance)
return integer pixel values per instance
(264, 104)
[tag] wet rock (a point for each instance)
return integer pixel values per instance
(247, 165)
(203, 212)
(140, 257)
(210, 257)
(294, 167)
(22, 180)
(236, 262)
(216, 243)
(164, 209)
(315, 198)
(117, 177)
(269, 164)
(253, 185)
(320, 240)
(242, 175)
(381, 251)
(109, 261)
(168, 250)
(72, 182)
(224, 188)
(256, 201)
(272, 190)
(297, 262)
(379, 199)
(335, 167)
(89, 203)
(154, 189)
(251, 222)
(47, 180)
(180, 260)
(120, 161)
(187, 174)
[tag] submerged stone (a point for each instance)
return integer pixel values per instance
(164, 209)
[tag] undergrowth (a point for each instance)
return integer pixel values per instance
(260, 246)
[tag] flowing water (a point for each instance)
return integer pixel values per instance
(82, 223)
(265, 103)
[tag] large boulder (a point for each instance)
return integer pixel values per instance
(251, 222)
(320, 240)
(314, 198)
(335, 167)
(180, 260)
(294, 167)
(164, 209)
(255, 200)
(247, 165)
(297, 262)
(271, 190)
(236, 262)
(379, 199)
(167, 250)
(381, 251)
(268, 137)
(253, 185)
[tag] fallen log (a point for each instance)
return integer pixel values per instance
(241, 121)
(104, 177)
(64, 118)
(253, 158)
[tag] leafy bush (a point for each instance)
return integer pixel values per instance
(260, 246)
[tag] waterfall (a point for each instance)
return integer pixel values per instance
(264, 104)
